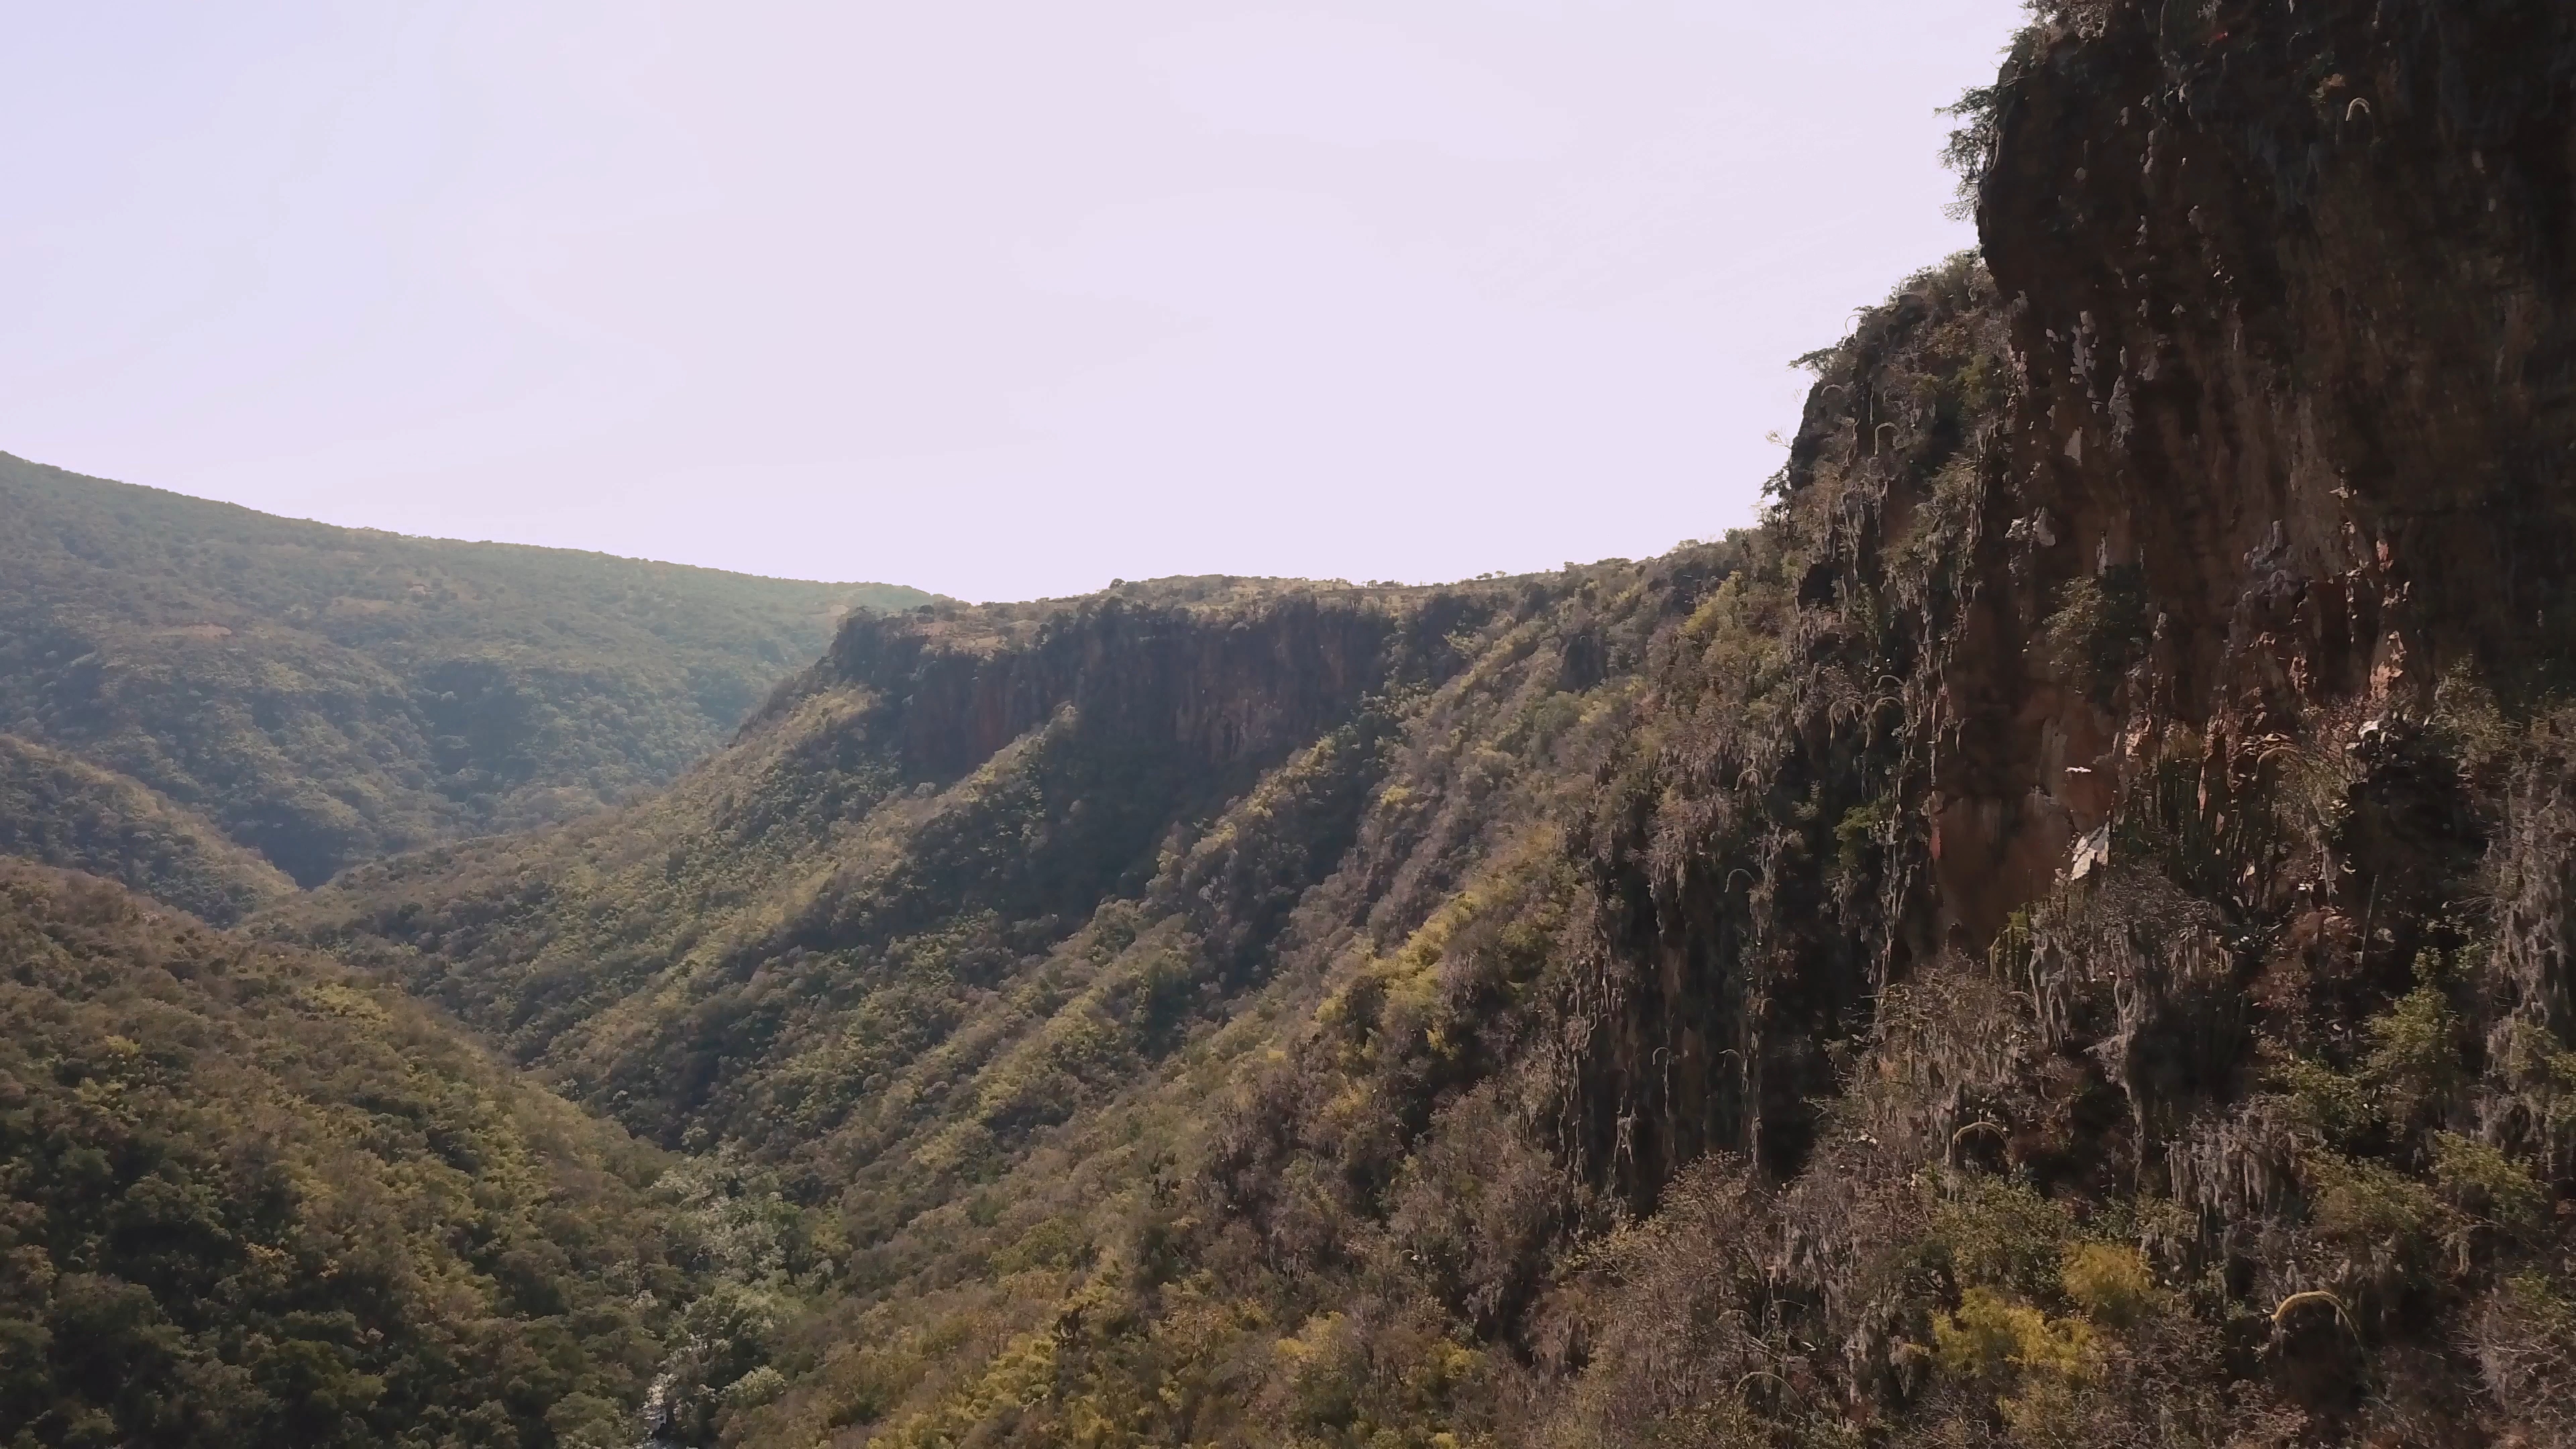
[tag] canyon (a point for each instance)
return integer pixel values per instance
(2058, 934)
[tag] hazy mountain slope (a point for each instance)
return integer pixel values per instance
(328, 695)
(250, 1199)
(2063, 934)
(62, 811)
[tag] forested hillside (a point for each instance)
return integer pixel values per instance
(61, 811)
(326, 695)
(2059, 935)
(255, 1199)
(910, 828)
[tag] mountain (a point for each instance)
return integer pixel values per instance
(2060, 935)
(990, 893)
(2064, 933)
(327, 695)
(252, 1198)
(958, 832)
(64, 812)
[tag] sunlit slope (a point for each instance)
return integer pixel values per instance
(911, 829)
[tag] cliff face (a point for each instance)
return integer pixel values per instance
(2208, 773)
(958, 689)
(2290, 302)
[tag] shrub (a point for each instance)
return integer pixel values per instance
(2108, 1281)
(2001, 1343)
(2482, 1180)
(2098, 630)
(2000, 1233)
(2524, 1336)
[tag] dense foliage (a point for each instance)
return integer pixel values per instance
(66, 812)
(326, 695)
(919, 988)
(852, 891)
(251, 1199)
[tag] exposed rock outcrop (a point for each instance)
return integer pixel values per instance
(2293, 305)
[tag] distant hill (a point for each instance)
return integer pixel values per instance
(67, 812)
(326, 695)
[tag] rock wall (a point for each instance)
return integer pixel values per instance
(1227, 687)
(2290, 298)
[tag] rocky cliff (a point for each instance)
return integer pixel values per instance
(2289, 298)
(2220, 866)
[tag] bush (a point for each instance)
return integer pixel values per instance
(2098, 630)
(2109, 1282)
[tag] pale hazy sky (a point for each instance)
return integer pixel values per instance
(1002, 300)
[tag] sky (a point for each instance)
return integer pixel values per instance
(1000, 300)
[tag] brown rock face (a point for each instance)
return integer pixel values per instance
(2293, 293)
(1226, 687)
(2253, 428)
